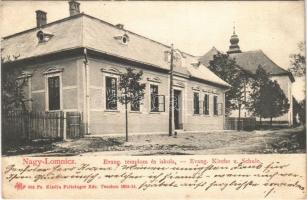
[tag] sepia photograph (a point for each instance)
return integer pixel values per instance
(153, 99)
(94, 77)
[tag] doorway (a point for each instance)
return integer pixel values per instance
(178, 109)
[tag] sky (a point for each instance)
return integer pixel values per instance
(275, 27)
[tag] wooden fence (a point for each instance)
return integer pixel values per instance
(266, 124)
(39, 125)
(233, 123)
(74, 125)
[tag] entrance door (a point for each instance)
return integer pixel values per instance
(177, 109)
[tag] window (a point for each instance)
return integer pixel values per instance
(40, 36)
(177, 58)
(196, 103)
(43, 36)
(167, 56)
(53, 88)
(206, 104)
(54, 93)
(125, 39)
(215, 106)
(135, 104)
(154, 98)
(111, 93)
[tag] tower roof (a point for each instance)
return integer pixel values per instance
(234, 43)
(249, 62)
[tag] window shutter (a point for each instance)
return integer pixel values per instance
(161, 99)
(154, 98)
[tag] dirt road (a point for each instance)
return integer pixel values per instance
(222, 142)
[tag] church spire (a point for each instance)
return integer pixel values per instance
(234, 43)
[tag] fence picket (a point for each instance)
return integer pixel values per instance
(37, 125)
(233, 123)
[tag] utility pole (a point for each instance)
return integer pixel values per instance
(170, 123)
(86, 92)
(126, 114)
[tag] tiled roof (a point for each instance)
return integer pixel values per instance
(205, 59)
(249, 61)
(100, 35)
(86, 31)
(67, 35)
(204, 73)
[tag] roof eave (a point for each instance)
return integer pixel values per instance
(289, 74)
(220, 85)
(44, 56)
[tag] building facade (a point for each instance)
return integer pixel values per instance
(249, 62)
(74, 64)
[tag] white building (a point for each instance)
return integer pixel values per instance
(249, 62)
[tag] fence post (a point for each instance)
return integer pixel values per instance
(65, 129)
(27, 129)
(58, 114)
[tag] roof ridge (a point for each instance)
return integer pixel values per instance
(92, 17)
(43, 26)
(211, 49)
(110, 24)
(256, 50)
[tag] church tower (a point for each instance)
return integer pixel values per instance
(234, 43)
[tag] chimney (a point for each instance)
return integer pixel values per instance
(74, 7)
(41, 18)
(120, 26)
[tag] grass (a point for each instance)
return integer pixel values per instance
(20, 147)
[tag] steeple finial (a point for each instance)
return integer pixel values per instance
(234, 42)
(234, 28)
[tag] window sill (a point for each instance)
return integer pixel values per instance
(53, 110)
(151, 112)
(196, 114)
(111, 111)
(138, 112)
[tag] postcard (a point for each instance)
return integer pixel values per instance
(153, 100)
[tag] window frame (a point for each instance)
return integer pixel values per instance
(215, 105)
(139, 106)
(105, 92)
(194, 103)
(47, 76)
(125, 39)
(150, 98)
(206, 104)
